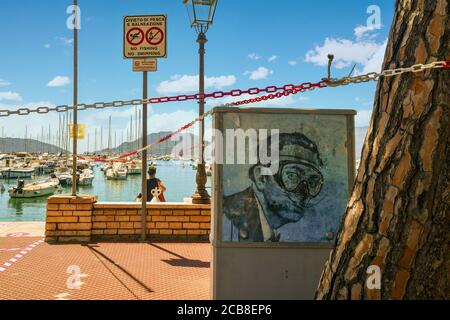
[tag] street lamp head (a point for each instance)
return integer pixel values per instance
(201, 13)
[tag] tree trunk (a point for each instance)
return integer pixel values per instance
(398, 217)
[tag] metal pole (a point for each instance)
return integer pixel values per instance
(144, 160)
(201, 196)
(75, 100)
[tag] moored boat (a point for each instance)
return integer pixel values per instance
(36, 189)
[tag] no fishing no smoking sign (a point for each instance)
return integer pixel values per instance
(145, 36)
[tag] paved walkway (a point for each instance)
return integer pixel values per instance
(33, 269)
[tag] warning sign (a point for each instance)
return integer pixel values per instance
(140, 65)
(145, 37)
(80, 133)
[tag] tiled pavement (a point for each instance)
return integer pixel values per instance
(125, 271)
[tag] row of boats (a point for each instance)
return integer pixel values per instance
(59, 171)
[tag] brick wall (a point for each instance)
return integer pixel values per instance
(69, 218)
(83, 219)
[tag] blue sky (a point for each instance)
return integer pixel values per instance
(251, 44)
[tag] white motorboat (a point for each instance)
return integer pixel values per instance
(11, 173)
(64, 176)
(118, 171)
(36, 189)
(86, 177)
(134, 167)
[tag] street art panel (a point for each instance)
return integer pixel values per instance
(304, 197)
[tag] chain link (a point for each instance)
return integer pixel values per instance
(272, 91)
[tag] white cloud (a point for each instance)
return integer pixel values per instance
(259, 74)
(59, 81)
(189, 83)
(277, 102)
(11, 96)
(66, 41)
(272, 58)
(364, 31)
(346, 52)
(292, 63)
(254, 56)
(4, 83)
(375, 63)
(47, 46)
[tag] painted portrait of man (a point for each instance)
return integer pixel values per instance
(275, 200)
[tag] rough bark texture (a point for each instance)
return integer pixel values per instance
(398, 217)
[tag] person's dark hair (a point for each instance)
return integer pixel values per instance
(152, 171)
(286, 139)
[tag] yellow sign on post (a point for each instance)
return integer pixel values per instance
(140, 65)
(80, 133)
(145, 36)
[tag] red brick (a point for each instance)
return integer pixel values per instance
(158, 218)
(178, 212)
(58, 200)
(54, 213)
(52, 207)
(191, 225)
(179, 232)
(113, 225)
(177, 219)
(175, 225)
(87, 207)
(150, 225)
(97, 232)
(192, 212)
(50, 226)
(68, 207)
(153, 212)
(166, 212)
(85, 219)
(126, 225)
(206, 226)
(162, 225)
(122, 218)
(99, 225)
(206, 212)
(74, 226)
(200, 219)
(62, 219)
(196, 232)
(103, 219)
(165, 232)
(82, 213)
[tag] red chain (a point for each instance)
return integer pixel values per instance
(236, 93)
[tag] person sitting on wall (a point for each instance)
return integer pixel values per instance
(152, 184)
(275, 200)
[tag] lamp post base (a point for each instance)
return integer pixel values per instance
(201, 196)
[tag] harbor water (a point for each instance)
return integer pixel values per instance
(178, 177)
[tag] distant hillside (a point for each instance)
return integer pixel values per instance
(164, 148)
(8, 145)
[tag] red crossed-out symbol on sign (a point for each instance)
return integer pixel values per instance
(135, 36)
(154, 36)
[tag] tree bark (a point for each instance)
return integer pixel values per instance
(398, 217)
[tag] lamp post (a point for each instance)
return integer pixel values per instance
(75, 99)
(201, 14)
